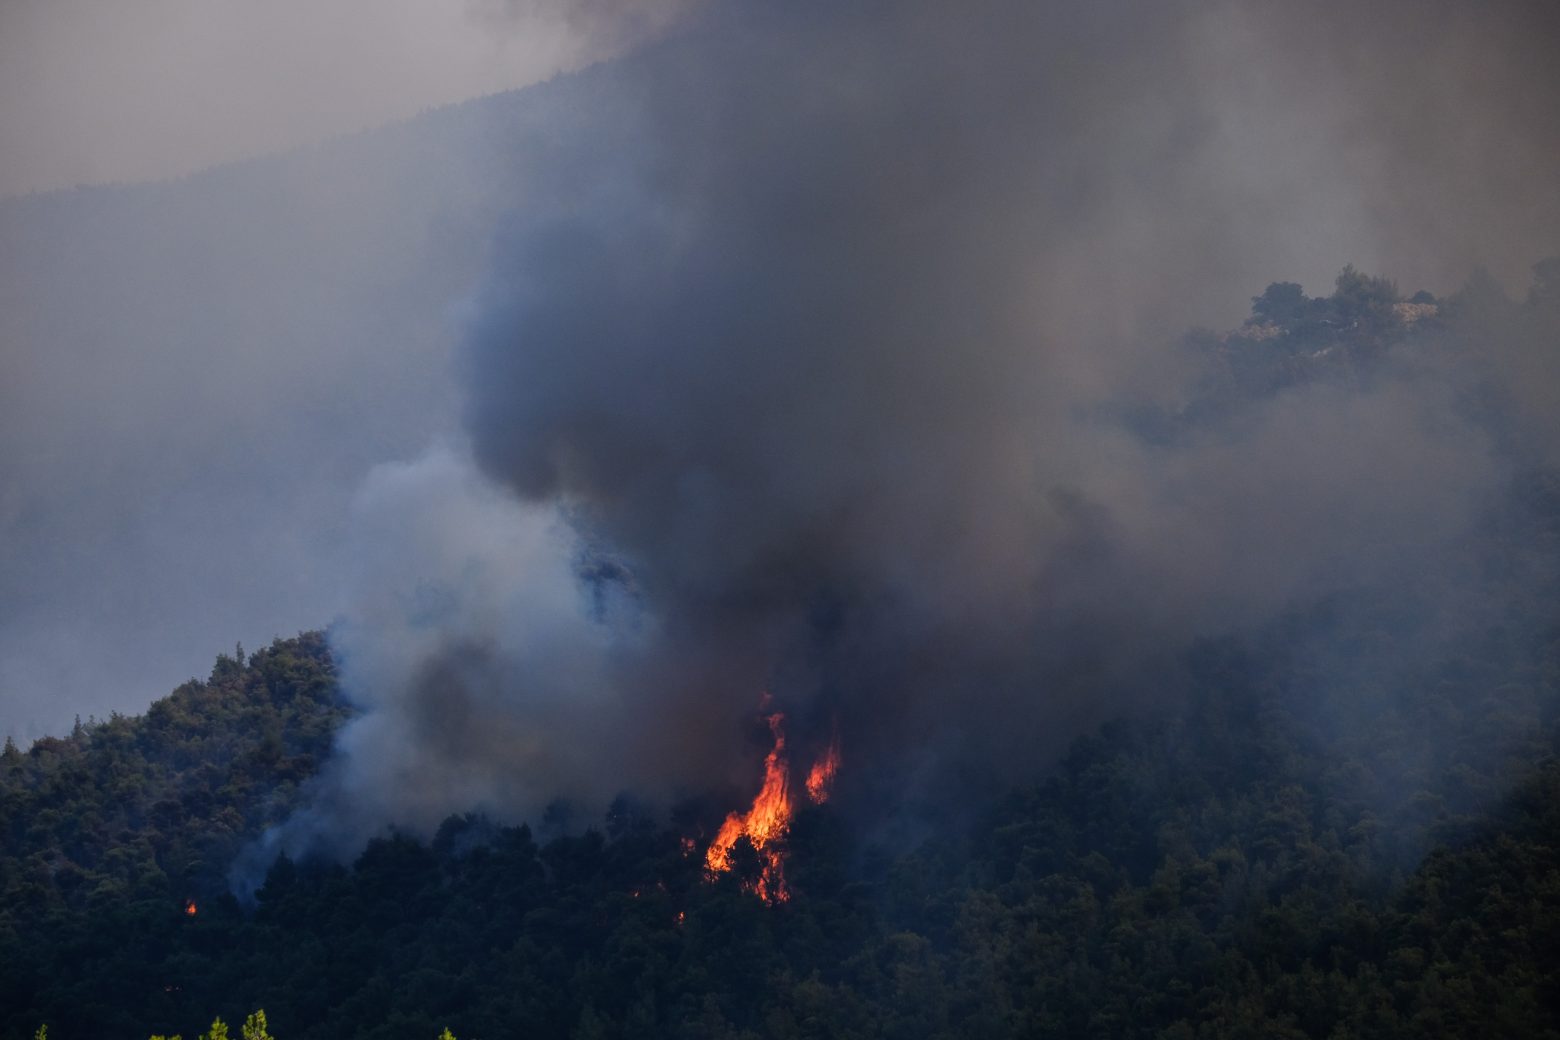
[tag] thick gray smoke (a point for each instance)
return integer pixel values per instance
(808, 353)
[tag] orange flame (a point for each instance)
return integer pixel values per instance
(189, 908)
(768, 821)
(765, 824)
(821, 776)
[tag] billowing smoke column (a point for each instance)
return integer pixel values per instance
(809, 348)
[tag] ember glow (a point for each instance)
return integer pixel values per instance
(769, 820)
(189, 908)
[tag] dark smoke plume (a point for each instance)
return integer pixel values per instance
(807, 353)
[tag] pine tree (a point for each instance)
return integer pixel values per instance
(254, 1027)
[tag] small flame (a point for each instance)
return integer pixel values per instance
(820, 778)
(189, 908)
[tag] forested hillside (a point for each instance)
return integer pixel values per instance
(1224, 875)
(1340, 822)
(120, 824)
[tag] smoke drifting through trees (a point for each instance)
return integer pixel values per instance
(808, 347)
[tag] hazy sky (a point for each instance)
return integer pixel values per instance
(94, 91)
(197, 374)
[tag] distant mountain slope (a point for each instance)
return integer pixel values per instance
(195, 376)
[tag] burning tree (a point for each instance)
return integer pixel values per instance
(767, 822)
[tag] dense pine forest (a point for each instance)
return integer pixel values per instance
(1342, 822)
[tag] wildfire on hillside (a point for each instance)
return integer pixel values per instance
(189, 908)
(768, 821)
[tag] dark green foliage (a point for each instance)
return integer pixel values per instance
(1362, 299)
(108, 832)
(1480, 345)
(1233, 867)
(1283, 303)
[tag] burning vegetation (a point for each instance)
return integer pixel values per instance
(767, 822)
(820, 778)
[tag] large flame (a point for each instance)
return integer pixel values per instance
(769, 819)
(765, 824)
